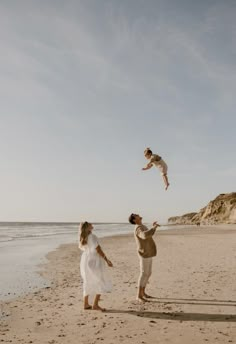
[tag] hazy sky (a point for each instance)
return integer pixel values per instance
(87, 85)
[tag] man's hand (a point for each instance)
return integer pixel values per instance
(155, 224)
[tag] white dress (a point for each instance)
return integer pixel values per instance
(93, 269)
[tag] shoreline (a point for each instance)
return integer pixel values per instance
(33, 277)
(194, 301)
(28, 247)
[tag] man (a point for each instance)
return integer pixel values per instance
(146, 250)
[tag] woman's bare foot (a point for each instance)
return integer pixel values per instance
(86, 307)
(98, 308)
(167, 186)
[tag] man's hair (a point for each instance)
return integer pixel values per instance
(131, 219)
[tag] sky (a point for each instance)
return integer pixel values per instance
(86, 86)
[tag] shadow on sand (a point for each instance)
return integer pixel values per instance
(182, 316)
(204, 302)
(179, 316)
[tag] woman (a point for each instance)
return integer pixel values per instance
(92, 267)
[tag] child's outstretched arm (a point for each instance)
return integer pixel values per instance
(149, 165)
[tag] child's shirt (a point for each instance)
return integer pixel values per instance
(155, 158)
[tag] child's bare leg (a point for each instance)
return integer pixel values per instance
(96, 305)
(166, 181)
(86, 303)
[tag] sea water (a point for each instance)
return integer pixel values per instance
(23, 247)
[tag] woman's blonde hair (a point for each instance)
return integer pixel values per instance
(84, 232)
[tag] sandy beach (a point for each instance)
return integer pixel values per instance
(193, 282)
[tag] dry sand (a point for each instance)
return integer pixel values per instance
(193, 281)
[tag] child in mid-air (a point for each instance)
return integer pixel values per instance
(156, 160)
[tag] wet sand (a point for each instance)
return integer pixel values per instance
(193, 282)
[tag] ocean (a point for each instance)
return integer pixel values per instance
(13, 231)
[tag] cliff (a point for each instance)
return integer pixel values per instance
(220, 210)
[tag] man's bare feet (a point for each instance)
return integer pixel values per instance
(148, 296)
(98, 308)
(141, 299)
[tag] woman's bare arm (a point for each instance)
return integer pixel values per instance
(102, 254)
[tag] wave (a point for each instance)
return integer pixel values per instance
(16, 231)
(5, 238)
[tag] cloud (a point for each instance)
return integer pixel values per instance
(133, 56)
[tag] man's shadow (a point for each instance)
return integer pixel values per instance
(182, 316)
(201, 302)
